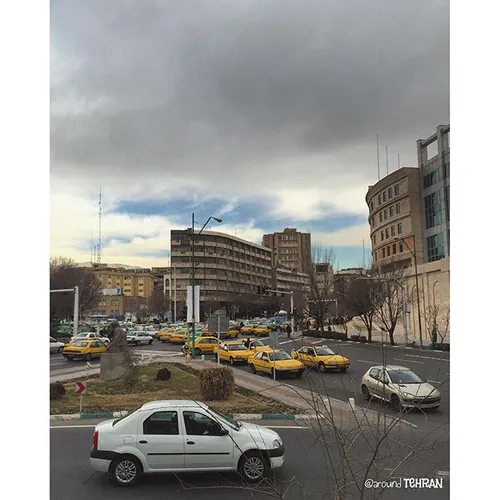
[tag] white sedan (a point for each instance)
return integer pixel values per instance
(196, 438)
(56, 346)
(400, 387)
(90, 336)
(139, 337)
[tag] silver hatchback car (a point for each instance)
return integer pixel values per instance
(400, 387)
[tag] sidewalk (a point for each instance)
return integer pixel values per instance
(335, 410)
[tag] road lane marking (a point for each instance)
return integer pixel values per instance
(426, 357)
(287, 342)
(374, 363)
(409, 361)
(317, 342)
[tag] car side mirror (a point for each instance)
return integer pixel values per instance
(223, 432)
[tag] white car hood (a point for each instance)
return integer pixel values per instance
(258, 434)
(421, 390)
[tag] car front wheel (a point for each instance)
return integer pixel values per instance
(125, 471)
(59, 350)
(151, 341)
(252, 368)
(88, 357)
(231, 360)
(366, 392)
(321, 367)
(253, 467)
(395, 403)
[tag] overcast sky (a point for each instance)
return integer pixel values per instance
(264, 113)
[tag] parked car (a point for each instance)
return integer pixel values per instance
(137, 337)
(322, 357)
(90, 336)
(56, 346)
(233, 352)
(203, 344)
(256, 345)
(197, 438)
(84, 349)
(400, 387)
(247, 329)
(279, 360)
(262, 329)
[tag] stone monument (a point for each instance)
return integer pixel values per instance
(117, 359)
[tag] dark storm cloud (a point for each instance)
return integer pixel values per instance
(222, 87)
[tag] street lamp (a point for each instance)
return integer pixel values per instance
(414, 254)
(192, 274)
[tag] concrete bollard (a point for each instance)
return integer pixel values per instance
(203, 357)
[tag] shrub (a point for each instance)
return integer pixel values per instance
(163, 374)
(57, 390)
(354, 338)
(325, 334)
(440, 347)
(216, 384)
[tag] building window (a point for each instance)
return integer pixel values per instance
(374, 239)
(382, 235)
(380, 216)
(383, 253)
(379, 200)
(394, 249)
(432, 210)
(384, 196)
(387, 232)
(375, 255)
(431, 179)
(398, 208)
(447, 201)
(393, 231)
(371, 205)
(446, 170)
(388, 250)
(391, 211)
(401, 247)
(389, 193)
(385, 213)
(435, 247)
(400, 228)
(396, 190)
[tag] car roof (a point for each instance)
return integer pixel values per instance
(185, 403)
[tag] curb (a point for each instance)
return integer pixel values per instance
(238, 416)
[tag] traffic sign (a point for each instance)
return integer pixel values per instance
(80, 388)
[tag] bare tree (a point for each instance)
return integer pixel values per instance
(323, 279)
(390, 299)
(64, 273)
(437, 318)
(362, 299)
(158, 304)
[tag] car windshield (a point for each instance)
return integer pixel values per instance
(324, 351)
(278, 356)
(225, 418)
(238, 347)
(257, 342)
(79, 343)
(405, 377)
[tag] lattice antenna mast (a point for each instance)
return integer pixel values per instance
(99, 242)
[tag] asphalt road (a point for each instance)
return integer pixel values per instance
(312, 470)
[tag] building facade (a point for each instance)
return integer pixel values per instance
(290, 248)
(286, 279)
(225, 266)
(434, 166)
(395, 218)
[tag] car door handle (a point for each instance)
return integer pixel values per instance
(190, 442)
(143, 442)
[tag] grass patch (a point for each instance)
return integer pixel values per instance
(108, 396)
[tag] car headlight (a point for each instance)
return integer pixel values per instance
(277, 443)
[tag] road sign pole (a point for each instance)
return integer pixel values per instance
(291, 312)
(81, 402)
(75, 312)
(218, 338)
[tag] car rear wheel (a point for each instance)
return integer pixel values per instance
(366, 392)
(88, 357)
(252, 368)
(197, 351)
(253, 467)
(125, 471)
(343, 369)
(299, 373)
(69, 358)
(321, 367)
(151, 341)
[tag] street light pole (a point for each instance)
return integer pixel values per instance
(414, 254)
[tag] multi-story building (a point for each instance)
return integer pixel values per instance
(161, 277)
(290, 248)
(225, 266)
(287, 279)
(119, 305)
(136, 282)
(395, 219)
(434, 166)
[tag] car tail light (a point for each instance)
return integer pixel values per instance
(95, 441)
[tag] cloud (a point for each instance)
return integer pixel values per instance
(219, 105)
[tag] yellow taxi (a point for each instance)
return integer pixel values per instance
(262, 330)
(165, 336)
(321, 357)
(247, 329)
(203, 344)
(256, 345)
(232, 352)
(275, 360)
(84, 349)
(232, 333)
